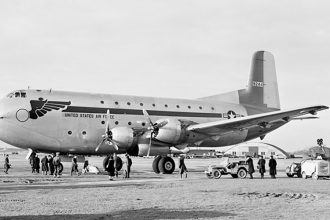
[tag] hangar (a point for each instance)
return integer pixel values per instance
(257, 148)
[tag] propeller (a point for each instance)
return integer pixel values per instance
(153, 127)
(107, 136)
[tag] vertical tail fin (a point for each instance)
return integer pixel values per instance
(262, 91)
(261, 95)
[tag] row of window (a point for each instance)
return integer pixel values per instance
(18, 94)
(154, 105)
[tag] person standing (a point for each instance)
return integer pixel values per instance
(51, 165)
(262, 166)
(128, 165)
(182, 166)
(36, 163)
(32, 162)
(44, 165)
(272, 167)
(249, 162)
(7, 164)
(85, 168)
(110, 167)
(74, 166)
(57, 164)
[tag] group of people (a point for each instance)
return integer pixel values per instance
(262, 167)
(50, 163)
(112, 167)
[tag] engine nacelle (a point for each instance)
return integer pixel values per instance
(123, 137)
(172, 132)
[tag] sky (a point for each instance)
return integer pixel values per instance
(177, 49)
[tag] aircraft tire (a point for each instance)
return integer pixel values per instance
(119, 163)
(61, 168)
(105, 162)
(166, 165)
(155, 164)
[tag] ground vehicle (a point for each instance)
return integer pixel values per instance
(293, 169)
(315, 169)
(235, 169)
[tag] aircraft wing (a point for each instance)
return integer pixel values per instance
(265, 120)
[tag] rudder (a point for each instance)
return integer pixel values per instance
(262, 92)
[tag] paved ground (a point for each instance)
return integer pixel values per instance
(150, 196)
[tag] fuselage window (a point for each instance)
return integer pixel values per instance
(69, 132)
(116, 103)
(143, 124)
(166, 105)
(84, 132)
(116, 122)
(189, 106)
(200, 107)
(212, 108)
(128, 103)
(129, 123)
(141, 104)
(102, 102)
(177, 106)
(153, 105)
(103, 122)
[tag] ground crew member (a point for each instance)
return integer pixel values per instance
(262, 166)
(249, 161)
(128, 165)
(74, 166)
(7, 164)
(182, 166)
(44, 165)
(57, 163)
(51, 165)
(110, 167)
(272, 167)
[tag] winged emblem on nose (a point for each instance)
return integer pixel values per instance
(40, 107)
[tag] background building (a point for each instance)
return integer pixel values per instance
(256, 148)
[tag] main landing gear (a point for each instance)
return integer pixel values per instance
(118, 164)
(163, 164)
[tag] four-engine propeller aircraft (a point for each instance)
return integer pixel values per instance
(90, 124)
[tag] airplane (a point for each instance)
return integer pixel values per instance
(75, 123)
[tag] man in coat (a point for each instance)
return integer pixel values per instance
(110, 167)
(262, 166)
(7, 164)
(249, 162)
(182, 166)
(272, 167)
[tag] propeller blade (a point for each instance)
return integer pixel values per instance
(114, 144)
(145, 113)
(149, 146)
(107, 126)
(99, 145)
(161, 124)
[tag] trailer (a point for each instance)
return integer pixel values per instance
(315, 169)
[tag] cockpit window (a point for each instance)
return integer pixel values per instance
(17, 94)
